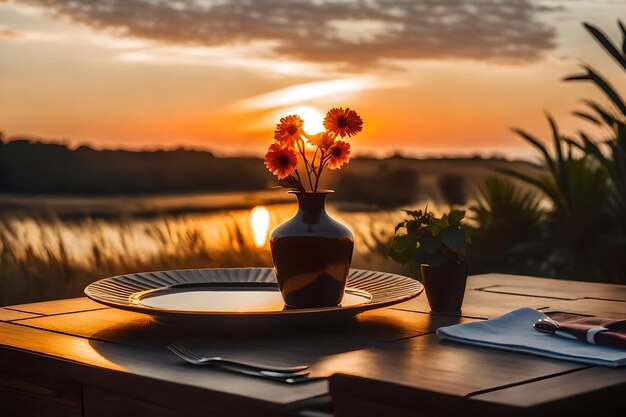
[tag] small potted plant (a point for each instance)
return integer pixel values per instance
(437, 246)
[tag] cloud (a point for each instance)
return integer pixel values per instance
(10, 34)
(311, 91)
(354, 33)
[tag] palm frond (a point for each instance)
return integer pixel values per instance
(591, 148)
(621, 26)
(573, 144)
(538, 145)
(604, 85)
(538, 182)
(618, 55)
(587, 116)
(561, 174)
(608, 117)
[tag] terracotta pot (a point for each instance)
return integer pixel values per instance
(445, 286)
(312, 254)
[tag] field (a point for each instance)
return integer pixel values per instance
(53, 246)
(46, 257)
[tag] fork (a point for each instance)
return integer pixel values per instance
(271, 371)
(287, 378)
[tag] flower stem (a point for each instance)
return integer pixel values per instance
(319, 172)
(306, 162)
(313, 160)
(299, 180)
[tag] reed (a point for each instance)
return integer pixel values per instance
(45, 257)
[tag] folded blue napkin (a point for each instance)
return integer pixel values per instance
(514, 331)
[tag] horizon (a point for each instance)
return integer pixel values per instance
(530, 156)
(117, 76)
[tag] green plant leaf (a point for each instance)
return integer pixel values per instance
(437, 258)
(399, 226)
(401, 257)
(415, 213)
(420, 256)
(430, 243)
(453, 237)
(444, 221)
(433, 226)
(404, 243)
(456, 216)
(412, 226)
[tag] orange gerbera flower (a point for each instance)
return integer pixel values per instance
(281, 161)
(288, 130)
(338, 154)
(322, 140)
(343, 122)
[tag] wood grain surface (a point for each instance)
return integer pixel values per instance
(547, 287)
(10, 315)
(76, 357)
(481, 304)
(70, 305)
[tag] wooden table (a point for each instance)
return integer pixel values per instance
(78, 358)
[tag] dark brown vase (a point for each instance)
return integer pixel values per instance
(445, 286)
(312, 254)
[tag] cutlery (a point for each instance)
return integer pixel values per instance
(547, 325)
(272, 376)
(271, 371)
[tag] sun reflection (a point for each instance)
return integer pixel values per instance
(260, 221)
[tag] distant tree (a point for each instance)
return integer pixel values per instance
(388, 188)
(453, 188)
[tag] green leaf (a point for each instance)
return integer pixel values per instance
(456, 216)
(412, 226)
(453, 237)
(399, 226)
(444, 221)
(404, 243)
(420, 256)
(433, 226)
(401, 257)
(430, 243)
(415, 213)
(438, 258)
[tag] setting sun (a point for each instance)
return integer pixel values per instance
(313, 118)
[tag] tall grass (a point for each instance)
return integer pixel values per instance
(47, 257)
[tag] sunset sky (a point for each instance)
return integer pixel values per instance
(427, 76)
